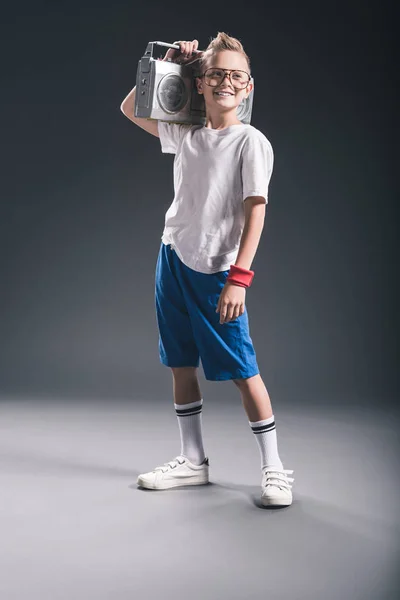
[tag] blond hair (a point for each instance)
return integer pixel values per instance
(223, 41)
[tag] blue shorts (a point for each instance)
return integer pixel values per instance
(189, 327)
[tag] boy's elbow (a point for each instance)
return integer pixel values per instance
(125, 112)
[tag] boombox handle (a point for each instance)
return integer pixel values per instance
(150, 46)
(148, 55)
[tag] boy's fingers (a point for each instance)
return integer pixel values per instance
(187, 50)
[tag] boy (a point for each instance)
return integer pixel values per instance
(212, 229)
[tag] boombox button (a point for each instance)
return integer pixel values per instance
(144, 81)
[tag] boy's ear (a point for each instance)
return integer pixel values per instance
(199, 85)
(249, 88)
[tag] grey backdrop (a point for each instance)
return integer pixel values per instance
(84, 194)
(85, 404)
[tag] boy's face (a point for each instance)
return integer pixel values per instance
(225, 59)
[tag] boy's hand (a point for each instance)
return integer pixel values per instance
(186, 54)
(231, 302)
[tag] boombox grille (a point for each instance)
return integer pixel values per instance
(171, 93)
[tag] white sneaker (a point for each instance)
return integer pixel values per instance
(275, 487)
(177, 472)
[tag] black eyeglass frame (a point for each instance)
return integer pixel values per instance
(229, 71)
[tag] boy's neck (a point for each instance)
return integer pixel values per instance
(218, 124)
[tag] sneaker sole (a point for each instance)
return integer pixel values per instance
(169, 484)
(276, 501)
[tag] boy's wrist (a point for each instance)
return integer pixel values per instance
(240, 276)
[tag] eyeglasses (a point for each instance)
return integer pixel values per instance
(213, 77)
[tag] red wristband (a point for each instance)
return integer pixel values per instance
(240, 276)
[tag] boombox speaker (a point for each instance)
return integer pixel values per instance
(166, 91)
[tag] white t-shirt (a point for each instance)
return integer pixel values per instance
(214, 172)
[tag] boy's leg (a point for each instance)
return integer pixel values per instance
(188, 406)
(185, 385)
(178, 351)
(275, 484)
(255, 398)
(257, 405)
(191, 466)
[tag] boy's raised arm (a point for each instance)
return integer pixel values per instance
(127, 107)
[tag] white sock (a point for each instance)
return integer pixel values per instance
(265, 432)
(190, 427)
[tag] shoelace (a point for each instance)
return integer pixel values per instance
(278, 478)
(170, 465)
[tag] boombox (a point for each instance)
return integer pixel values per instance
(166, 91)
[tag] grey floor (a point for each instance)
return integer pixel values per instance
(74, 525)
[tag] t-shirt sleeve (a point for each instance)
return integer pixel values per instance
(257, 165)
(171, 134)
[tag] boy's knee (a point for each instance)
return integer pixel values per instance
(238, 382)
(183, 371)
(245, 382)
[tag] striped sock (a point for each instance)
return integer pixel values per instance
(190, 427)
(265, 432)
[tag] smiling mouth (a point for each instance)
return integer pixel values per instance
(223, 94)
